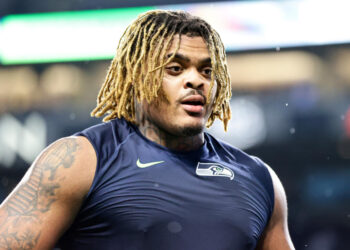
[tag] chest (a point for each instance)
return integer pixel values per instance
(147, 192)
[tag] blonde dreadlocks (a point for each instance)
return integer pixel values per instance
(138, 67)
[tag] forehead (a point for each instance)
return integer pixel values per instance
(190, 46)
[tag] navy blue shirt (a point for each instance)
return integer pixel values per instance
(147, 197)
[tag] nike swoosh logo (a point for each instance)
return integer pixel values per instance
(146, 165)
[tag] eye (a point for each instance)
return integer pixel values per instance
(175, 69)
(207, 72)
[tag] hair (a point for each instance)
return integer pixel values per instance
(136, 72)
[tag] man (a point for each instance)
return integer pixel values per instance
(150, 178)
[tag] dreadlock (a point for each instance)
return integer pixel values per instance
(138, 67)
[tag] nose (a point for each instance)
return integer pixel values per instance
(194, 80)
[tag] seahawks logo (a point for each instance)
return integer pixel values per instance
(214, 169)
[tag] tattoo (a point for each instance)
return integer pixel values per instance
(35, 196)
(26, 241)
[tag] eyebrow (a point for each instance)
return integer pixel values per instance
(187, 59)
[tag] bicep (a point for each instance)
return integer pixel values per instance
(47, 199)
(276, 234)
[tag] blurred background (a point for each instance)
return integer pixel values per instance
(290, 68)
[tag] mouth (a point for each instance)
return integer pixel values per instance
(193, 104)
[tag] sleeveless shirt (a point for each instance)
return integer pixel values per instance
(147, 197)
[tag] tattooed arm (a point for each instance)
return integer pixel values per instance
(45, 202)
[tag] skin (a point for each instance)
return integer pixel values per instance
(276, 235)
(44, 204)
(188, 74)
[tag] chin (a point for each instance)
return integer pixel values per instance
(189, 129)
(192, 131)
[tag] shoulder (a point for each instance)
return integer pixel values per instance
(276, 181)
(70, 160)
(112, 132)
(276, 234)
(224, 148)
(49, 196)
(280, 208)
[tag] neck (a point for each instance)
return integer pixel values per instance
(173, 142)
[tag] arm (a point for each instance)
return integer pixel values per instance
(276, 235)
(45, 202)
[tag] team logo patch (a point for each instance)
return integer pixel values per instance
(214, 169)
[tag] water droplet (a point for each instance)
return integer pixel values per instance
(156, 185)
(306, 245)
(72, 116)
(174, 227)
(287, 104)
(292, 131)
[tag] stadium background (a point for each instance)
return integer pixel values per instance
(290, 105)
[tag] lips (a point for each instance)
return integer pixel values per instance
(193, 103)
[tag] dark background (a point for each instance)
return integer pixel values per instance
(307, 124)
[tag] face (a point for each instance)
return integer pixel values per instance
(186, 83)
